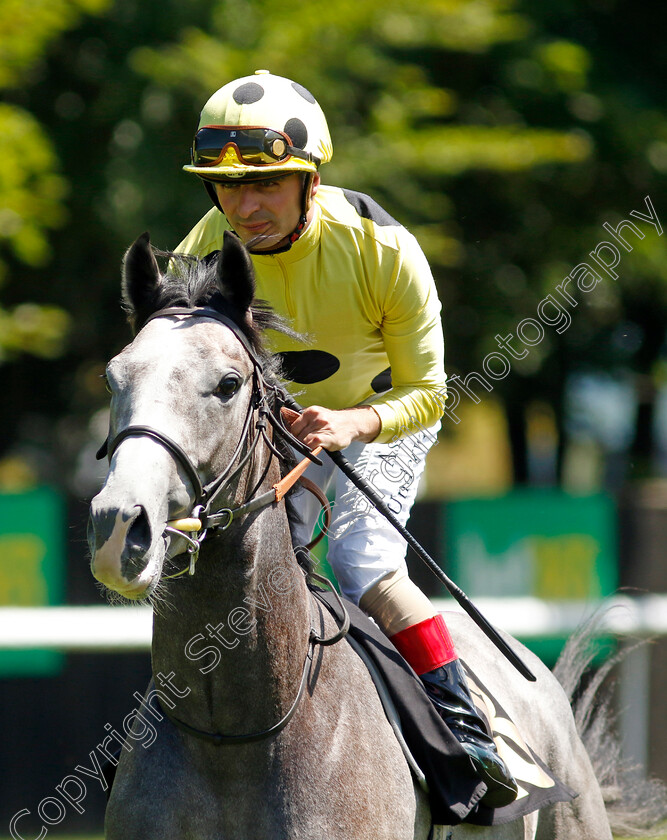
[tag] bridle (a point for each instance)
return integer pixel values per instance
(207, 513)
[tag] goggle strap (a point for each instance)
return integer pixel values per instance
(308, 156)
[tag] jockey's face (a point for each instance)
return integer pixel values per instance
(267, 210)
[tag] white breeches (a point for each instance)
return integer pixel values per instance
(363, 546)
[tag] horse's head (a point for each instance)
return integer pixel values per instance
(191, 380)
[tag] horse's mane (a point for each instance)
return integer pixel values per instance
(192, 282)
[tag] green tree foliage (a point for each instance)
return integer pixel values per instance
(502, 133)
(396, 120)
(32, 189)
(483, 126)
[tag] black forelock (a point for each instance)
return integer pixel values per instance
(192, 282)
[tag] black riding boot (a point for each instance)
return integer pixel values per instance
(448, 689)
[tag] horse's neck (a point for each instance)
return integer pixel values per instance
(236, 633)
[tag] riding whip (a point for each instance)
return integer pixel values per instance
(369, 491)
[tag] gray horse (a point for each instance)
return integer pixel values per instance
(304, 750)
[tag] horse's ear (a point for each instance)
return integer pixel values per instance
(236, 276)
(141, 278)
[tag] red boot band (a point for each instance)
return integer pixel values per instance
(427, 645)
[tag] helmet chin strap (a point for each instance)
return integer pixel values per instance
(212, 194)
(301, 224)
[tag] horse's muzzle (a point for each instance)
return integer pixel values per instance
(119, 540)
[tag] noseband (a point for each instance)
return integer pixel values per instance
(207, 512)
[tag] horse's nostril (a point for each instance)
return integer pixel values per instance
(137, 544)
(139, 535)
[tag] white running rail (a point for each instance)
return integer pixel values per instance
(122, 629)
(106, 629)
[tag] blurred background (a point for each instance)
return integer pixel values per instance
(503, 134)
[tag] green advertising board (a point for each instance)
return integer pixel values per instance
(539, 543)
(31, 568)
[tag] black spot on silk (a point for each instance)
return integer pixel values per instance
(382, 382)
(367, 208)
(297, 132)
(302, 91)
(308, 366)
(248, 93)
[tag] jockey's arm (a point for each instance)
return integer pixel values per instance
(412, 335)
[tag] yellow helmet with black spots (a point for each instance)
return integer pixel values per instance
(257, 126)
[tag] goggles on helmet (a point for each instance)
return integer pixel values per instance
(255, 146)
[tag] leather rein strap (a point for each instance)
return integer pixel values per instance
(220, 740)
(208, 512)
(205, 516)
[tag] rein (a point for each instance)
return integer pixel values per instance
(219, 740)
(208, 514)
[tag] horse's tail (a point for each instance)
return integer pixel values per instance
(635, 805)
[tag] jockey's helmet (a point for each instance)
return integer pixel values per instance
(259, 125)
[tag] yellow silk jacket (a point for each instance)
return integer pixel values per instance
(358, 287)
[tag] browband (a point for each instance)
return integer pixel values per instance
(207, 312)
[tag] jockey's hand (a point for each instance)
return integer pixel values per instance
(333, 430)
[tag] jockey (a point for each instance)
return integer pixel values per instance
(357, 285)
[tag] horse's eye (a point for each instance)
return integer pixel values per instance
(227, 386)
(105, 378)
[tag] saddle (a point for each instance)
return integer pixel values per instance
(438, 763)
